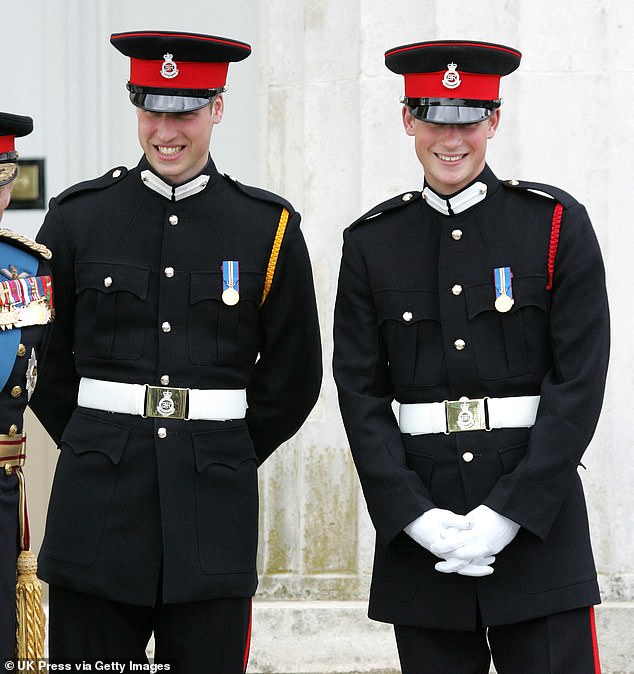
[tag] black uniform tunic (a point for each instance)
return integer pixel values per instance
(415, 322)
(140, 300)
(20, 349)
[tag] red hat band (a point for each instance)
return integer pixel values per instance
(170, 74)
(7, 144)
(452, 83)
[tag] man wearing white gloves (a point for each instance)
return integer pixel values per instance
(479, 305)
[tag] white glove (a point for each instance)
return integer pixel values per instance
(427, 529)
(475, 567)
(489, 533)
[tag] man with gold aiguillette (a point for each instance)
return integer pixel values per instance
(26, 308)
(480, 306)
(187, 311)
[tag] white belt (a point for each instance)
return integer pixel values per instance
(455, 416)
(162, 401)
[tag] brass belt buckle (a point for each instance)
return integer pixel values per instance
(466, 415)
(164, 402)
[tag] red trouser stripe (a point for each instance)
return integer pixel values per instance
(247, 646)
(595, 644)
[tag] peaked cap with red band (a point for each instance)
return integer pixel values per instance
(11, 127)
(452, 81)
(177, 72)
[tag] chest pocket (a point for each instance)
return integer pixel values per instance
(219, 334)
(513, 343)
(410, 325)
(112, 309)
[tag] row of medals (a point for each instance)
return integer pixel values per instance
(35, 313)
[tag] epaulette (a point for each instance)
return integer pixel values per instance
(262, 195)
(389, 205)
(25, 243)
(565, 199)
(106, 180)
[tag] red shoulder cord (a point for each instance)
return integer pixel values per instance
(554, 243)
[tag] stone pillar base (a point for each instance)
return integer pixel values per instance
(328, 637)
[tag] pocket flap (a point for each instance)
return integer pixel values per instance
(208, 286)
(111, 277)
(407, 306)
(527, 291)
(86, 433)
(226, 446)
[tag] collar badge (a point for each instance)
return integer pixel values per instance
(451, 78)
(169, 70)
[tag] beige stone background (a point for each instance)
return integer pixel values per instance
(314, 115)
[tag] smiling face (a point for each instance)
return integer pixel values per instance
(452, 155)
(177, 144)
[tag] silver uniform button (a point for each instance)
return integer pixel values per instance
(456, 235)
(107, 281)
(166, 327)
(116, 173)
(173, 219)
(165, 380)
(514, 182)
(407, 197)
(467, 457)
(459, 344)
(457, 289)
(407, 316)
(162, 432)
(169, 272)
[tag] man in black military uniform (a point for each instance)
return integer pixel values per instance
(187, 311)
(26, 307)
(479, 305)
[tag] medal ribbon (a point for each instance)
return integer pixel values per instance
(502, 277)
(231, 275)
(21, 292)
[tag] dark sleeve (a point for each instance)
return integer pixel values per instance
(55, 395)
(394, 494)
(288, 373)
(572, 390)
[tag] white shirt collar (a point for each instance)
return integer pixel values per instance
(170, 192)
(460, 202)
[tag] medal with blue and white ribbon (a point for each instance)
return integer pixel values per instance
(230, 282)
(503, 289)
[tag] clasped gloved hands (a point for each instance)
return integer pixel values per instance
(488, 533)
(435, 527)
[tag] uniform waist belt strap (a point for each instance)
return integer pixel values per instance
(423, 418)
(208, 405)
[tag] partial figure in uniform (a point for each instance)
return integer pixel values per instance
(478, 305)
(187, 314)
(26, 308)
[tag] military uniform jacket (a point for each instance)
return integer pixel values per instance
(415, 322)
(135, 499)
(21, 344)
(26, 307)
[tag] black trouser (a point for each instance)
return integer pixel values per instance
(205, 637)
(564, 643)
(9, 543)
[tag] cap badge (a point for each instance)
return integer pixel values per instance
(169, 70)
(451, 78)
